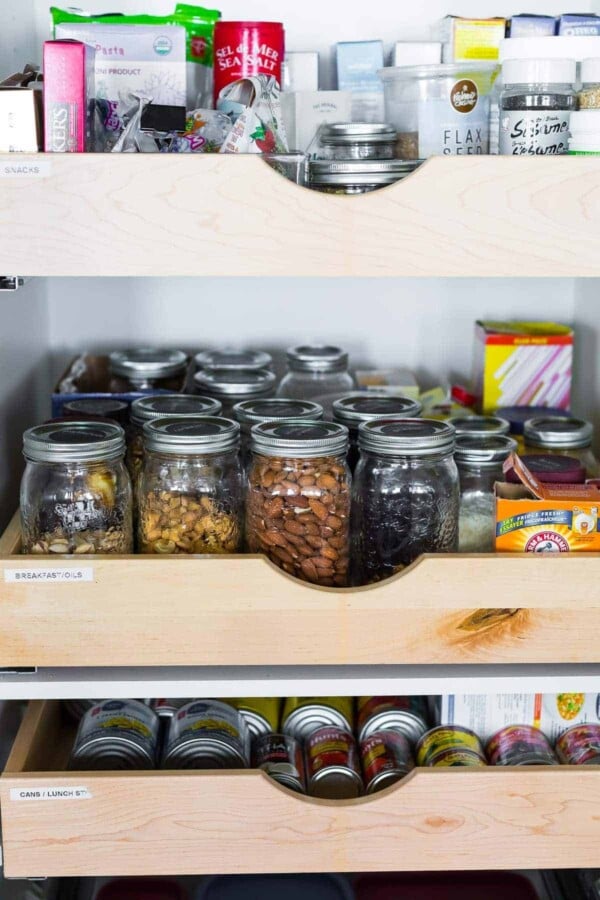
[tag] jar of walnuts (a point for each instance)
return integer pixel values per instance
(190, 489)
(298, 503)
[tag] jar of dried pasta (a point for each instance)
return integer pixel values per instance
(298, 503)
(191, 487)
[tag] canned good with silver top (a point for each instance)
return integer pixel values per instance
(520, 745)
(357, 140)
(407, 715)
(304, 715)
(116, 734)
(332, 764)
(579, 746)
(207, 734)
(261, 714)
(450, 745)
(281, 757)
(386, 757)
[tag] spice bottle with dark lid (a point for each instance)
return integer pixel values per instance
(314, 371)
(191, 487)
(354, 409)
(234, 360)
(405, 495)
(562, 437)
(76, 492)
(97, 408)
(273, 409)
(231, 386)
(145, 369)
(480, 426)
(551, 469)
(298, 504)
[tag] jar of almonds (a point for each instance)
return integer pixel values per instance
(76, 493)
(190, 489)
(298, 503)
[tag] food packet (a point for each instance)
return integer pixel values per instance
(205, 132)
(255, 108)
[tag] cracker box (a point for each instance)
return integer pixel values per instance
(471, 39)
(523, 364)
(68, 96)
(579, 25)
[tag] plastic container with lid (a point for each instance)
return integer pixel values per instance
(315, 370)
(585, 132)
(231, 386)
(357, 140)
(482, 426)
(562, 437)
(191, 487)
(97, 408)
(76, 492)
(356, 408)
(480, 459)
(358, 177)
(234, 360)
(551, 469)
(147, 369)
(589, 95)
(252, 412)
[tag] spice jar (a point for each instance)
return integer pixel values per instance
(536, 106)
(480, 460)
(252, 412)
(231, 386)
(235, 360)
(146, 370)
(563, 437)
(95, 408)
(314, 371)
(356, 408)
(357, 140)
(348, 177)
(191, 487)
(405, 495)
(589, 95)
(298, 504)
(76, 493)
(480, 426)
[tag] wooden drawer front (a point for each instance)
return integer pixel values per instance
(197, 823)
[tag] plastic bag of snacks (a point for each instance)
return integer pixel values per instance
(254, 106)
(201, 131)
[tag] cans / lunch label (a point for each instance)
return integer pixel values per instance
(386, 757)
(280, 756)
(332, 766)
(207, 734)
(520, 745)
(243, 49)
(304, 715)
(580, 746)
(434, 746)
(116, 734)
(407, 715)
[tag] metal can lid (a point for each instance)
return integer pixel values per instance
(344, 133)
(63, 442)
(480, 425)
(253, 412)
(357, 408)
(147, 363)
(206, 434)
(360, 172)
(97, 406)
(336, 783)
(180, 406)
(235, 382)
(387, 778)
(483, 449)
(251, 360)
(563, 434)
(409, 725)
(301, 440)
(205, 751)
(406, 437)
(317, 358)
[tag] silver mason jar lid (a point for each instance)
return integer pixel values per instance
(301, 440)
(318, 358)
(233, 359)
(561, 434)
(480, 425)
(65, 442)
(345, 133)
(191, 437)
(235, 382)
(180, 406)
(97, 406)
(252, 412)
(406, 437)
(357, 408)
(483, 449)
(363, 171)
(147, 364)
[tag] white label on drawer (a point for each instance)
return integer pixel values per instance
(41, 169)
(48, 576)
(50, 793)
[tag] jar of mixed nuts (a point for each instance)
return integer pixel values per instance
(252, 412)
(356, 408)
(298, 503)
(314, 371)
(231, 386)
(191, 487)
(358, 140)
(76, 493)
(236, 360)
(405, 495)
(146, 370)
(563, 437)
(480, 459)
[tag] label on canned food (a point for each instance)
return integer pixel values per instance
(450, 758)
(120, 715)
(385, 751)
(445, 738)
(49, 576)
(279, 754)
(210, 719)
(519, 745)
(331, 747)
(57, 792)
(267, 708)
(580, 746)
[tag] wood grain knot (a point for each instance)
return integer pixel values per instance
(441, 823)
(484, 619)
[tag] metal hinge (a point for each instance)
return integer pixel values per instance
(11, 282)
(32, 670)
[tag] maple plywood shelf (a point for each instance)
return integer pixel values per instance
(176, 215)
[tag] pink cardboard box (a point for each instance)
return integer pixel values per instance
(68, 96)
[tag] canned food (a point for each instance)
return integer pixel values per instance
(304, 715)
(580, 746)
(408, 715)
(262, 714)
(520, 745)
(77, 709)
(167, 708)
(207, 734)
(332, 767)
(280, 756)
(447, 745)
(116, 734)
(386, 757)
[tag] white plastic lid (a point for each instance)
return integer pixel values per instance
(586, 121)
(590, 71)
(539, 71)
(560, 47)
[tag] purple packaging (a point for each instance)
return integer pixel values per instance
(530, 25)
(68, 96)
(579, 24)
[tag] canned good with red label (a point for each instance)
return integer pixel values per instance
(580, 746)
(332, 766)
(520, 745)
(408, 715)
(281, 757)
(386, 757)
(243, 49)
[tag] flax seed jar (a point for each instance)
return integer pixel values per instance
(304, 715)
(207, 734)
(332, 764)
(116, 734)
(407, 715)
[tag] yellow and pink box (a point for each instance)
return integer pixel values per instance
(523, 364)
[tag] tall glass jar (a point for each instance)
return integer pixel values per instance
(480, 460)
(314, 372)
(231, 386)
(405, 496)
(563, 437)
(275, 409)
(354, 409)
(76, 492)
(235, 360)
(191, 487)
(147, 369)
(298, 503)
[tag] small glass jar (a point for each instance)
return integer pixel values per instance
(146, 370)
(405, 496)
(347, 177)
(314, 371)
(298, 504)
(480, 426)
(191, 487)
(252, 412)
(234, 360)
(516, 416)
(589, 95)
(357, 140)
(76, 492)
(94, 408)
(231, 386)
(480, 459)
(563, 437)
(354, 409)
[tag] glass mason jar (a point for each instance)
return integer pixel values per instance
(76, 492)
(405, 496)
(315, 371)
(235, 360)
(298, 503)
(191, 487)
(94, 408)
(350, 177)
(480, 426)
(563, 437)
(354, 409)
(231, 386)
(516, 416)
(252, 412)
(147, 369)
(480, 459)
(358, 140)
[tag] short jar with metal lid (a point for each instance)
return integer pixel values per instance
(76, 492)
(94, 408)
(315, 371)
(348, 177)
(562, 437)
(358, 140)
(480, 426)
(405, 495)
(480, 460)
(231, 386)
(190, 489)
(298, 504)
(234, 360)
(354, 409)
(275, 409)
(147, 370)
